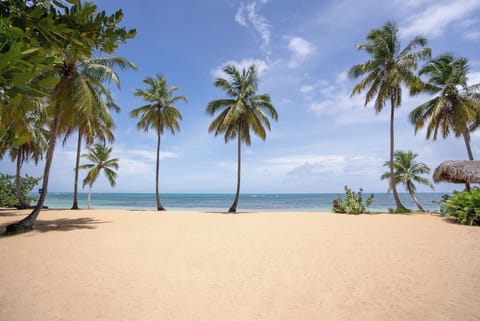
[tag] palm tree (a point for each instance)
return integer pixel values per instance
(245, 110)
(99, 155)
(95, 121)
(159, 114)
(26, 123)
(77, 32)
(389, 68)
(454, 108)
(408, 171)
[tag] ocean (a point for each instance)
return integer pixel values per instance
(248, 202)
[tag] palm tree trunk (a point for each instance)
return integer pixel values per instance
(414, 197)
(157, 175)
(89, 198)
(18, 191)
(466, 138)
(28, 222)
(233, 208)
(77, 164)
(393, 187)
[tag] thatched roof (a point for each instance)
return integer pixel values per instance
(457, 172)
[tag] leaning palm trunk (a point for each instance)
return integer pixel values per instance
(77, 164)
(414, 197)
(466, 138)
(393, 186)
(157, 175)
(28, 222)
(233, 208)
(18, 191)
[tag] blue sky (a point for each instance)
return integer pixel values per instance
(303, 49)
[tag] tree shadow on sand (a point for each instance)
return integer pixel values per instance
(61, 225)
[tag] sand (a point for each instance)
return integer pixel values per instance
(144, 265)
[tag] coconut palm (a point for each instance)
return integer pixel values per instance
(244, 110)
(77, 32)
(159, 114)
(408, 171)
(26, 124)
(95, 121)
(99, 155)
(454, 108)
(386, 72)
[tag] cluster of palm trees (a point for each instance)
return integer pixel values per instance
(51, 85)
(72, 96)
(243, 111)
(76, 99)
(455, 106)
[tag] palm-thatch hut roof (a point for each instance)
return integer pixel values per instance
(458, 172)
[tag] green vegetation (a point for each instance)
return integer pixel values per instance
(27, 126)
(52, 86)
(408, 171)
(93, 121)
(99, 155)
(159, 114)
(8, 197)
(48, 53)
(353, 202)
(463, 206)
(389, 69)
(455, 107)
(245, 110)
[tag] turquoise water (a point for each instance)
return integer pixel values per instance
(221, 202)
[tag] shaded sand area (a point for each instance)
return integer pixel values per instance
(141, 265)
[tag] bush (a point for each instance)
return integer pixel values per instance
(464, 206)
(352, 204)
(7, 190)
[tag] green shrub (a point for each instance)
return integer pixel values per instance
(464, 206)
(7, 190)
(352, 204)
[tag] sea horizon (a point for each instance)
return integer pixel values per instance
(307, 202)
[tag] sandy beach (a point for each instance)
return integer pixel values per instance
(144, 265)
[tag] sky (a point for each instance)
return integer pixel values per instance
(303, 50)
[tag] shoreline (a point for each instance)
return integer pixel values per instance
(315, 202)
(112, 265)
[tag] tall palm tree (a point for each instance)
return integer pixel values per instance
(99, 156)
(454, 108)
(244, 110)
(76, 32)
(95, 121)
(159, 114)
(26, 123)
(389, 68)
(408, 172)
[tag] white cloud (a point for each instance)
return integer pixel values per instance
(411, 3)
(335, 102)
(261, 65)
(472, 35)
(300, 49)
(311, 166)
(307, 89)
(143, 154)
(473, 78)
(247, 15)
(434, 20)
(342, 77)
